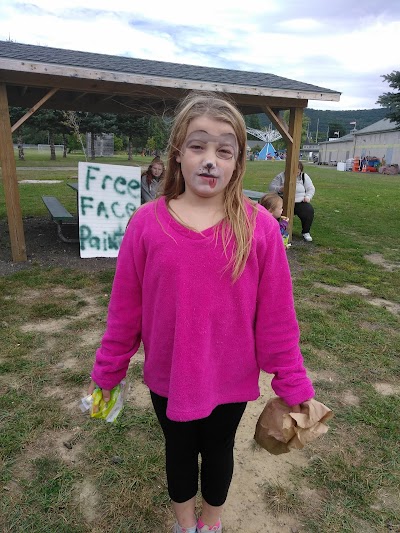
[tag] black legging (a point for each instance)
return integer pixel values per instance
(212, 437)
(305, 212)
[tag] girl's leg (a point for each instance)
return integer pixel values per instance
(305, 212)
(217, 438)
(185, 513)
(181, 453)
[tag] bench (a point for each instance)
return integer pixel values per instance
(59, 215)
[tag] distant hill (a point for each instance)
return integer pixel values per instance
(363, 117)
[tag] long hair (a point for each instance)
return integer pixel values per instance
(301, 168)
(149, 176)
(237, 224)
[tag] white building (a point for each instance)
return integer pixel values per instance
(381, 140)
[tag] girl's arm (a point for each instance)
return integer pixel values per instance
(123, 334)
(276, 330)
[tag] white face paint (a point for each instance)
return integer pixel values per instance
(208, 156)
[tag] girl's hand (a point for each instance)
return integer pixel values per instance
(105, 392)
(306, 199)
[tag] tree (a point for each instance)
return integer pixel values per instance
(253, 121)
(336, 130)
(159, 128)
(51, 121)
(392, 100)
(134, 128)
(15, 114)
(72, 122)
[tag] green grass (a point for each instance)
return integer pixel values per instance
(33, 158)
(352, 474)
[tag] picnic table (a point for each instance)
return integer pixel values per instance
(253, 195)
(60, 215)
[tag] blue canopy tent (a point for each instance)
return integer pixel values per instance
(268, 149)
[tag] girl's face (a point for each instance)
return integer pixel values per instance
(156, 170)
(208, 157)
(277, 212)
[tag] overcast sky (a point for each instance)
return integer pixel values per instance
(344, 45)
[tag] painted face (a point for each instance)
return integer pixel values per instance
(277, 212)
(208, 156)
(156, 170)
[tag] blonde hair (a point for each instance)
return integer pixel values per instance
(237, 223)
(270, 201)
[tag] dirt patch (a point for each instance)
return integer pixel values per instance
(386, 389)
(52, 326)
(348, 398)
(88, 500)
(347, 289)
(392, 307)
(323, 375)
(379, 260)
(246, 509)
(45, 249)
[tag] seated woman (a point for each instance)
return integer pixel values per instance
(151, 180)
(305, 191)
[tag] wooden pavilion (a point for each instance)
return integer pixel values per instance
(39, 76)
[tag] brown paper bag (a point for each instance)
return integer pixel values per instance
(279, 431)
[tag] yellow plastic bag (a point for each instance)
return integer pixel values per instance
(105, 410)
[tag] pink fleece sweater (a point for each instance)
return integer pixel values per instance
(205, 338)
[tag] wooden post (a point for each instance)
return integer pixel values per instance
(10, 181)
(292, 161)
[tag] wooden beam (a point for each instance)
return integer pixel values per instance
(80, 95)
(33, 109)
(102, 100)
(98, 76)
(274, 102)
(292, 161)
(279, 124)
(10, 181)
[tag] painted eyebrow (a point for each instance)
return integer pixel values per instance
(224, 138)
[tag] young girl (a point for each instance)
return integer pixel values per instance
(151, 180)
(274, 204)
(203, 280)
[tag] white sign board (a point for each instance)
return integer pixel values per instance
(108, 195)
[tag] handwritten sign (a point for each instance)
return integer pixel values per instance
(108, 195)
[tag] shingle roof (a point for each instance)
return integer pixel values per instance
(58, 56)
(382, 125)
